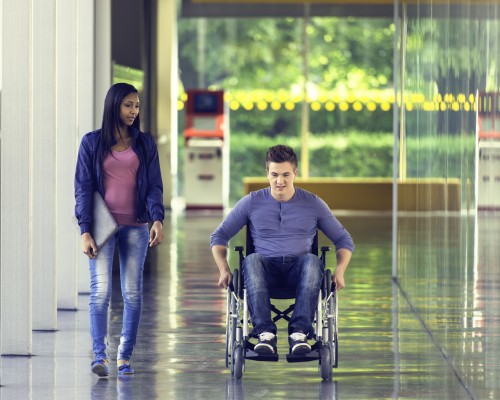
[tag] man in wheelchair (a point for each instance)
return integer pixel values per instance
(283, 221)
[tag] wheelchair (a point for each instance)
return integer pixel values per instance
(238, 345)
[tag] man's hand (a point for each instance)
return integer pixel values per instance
(343, 258)
(226, 277)
(338, 278)
(220, 256)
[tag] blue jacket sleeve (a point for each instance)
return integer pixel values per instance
(154, 192)
(84, 185)
(232, 224)
(332, 228)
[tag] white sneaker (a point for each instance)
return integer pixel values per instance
(267, 343)
(298, 343)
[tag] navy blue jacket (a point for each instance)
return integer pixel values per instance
(88, 178)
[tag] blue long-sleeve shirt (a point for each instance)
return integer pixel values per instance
(282, 228)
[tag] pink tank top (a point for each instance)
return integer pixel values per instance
(120, 172)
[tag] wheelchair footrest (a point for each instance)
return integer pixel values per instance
(311, 356)
(252, 355)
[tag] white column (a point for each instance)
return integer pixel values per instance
(44, 166)
(66, 148)
(1, 36)
(166, 94)
(103, 73)
(15, 233)
(86, 24)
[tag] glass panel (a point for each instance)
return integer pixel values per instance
(449, 68)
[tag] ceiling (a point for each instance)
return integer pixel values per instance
(338, 8)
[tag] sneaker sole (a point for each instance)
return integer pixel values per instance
(126, 373)
(301, 349)
(100, 370)
(263, 349)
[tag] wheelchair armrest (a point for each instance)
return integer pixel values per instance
(240, 250)
(324, 249)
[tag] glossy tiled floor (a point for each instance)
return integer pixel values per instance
(432, 335)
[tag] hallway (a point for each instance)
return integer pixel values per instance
(419, 338)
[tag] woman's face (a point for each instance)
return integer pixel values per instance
(129, 109)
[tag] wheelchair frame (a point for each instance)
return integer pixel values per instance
(238, 346)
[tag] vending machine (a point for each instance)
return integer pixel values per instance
(206, 144)
(488, 152)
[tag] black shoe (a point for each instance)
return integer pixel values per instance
(267, 343)
(100, 367)
(298, 343)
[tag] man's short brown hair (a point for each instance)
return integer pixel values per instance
(281, 153)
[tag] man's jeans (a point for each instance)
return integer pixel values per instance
(261, 274)
(132, 248)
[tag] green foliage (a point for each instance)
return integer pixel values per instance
(285, 123)
(246, 53)
(352, 154)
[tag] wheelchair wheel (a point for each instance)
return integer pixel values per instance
(335, 330)
(326, 363)
(335, 352)
(327, 283)
(228, 327)
(331, 323)
(232, 321)
(239, 362)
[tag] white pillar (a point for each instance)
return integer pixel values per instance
(43, 171)
(16, 131)
(166, 94)
(103, 66)
(66, 148)
(86, 26)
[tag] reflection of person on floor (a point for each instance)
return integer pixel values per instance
(283, 221)
(122, 164)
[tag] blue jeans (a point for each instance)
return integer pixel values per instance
(302, 274)
(132, 248)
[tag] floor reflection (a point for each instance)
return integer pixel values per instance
(439, 342)
(235, 390)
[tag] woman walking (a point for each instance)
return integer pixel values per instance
(121, 163)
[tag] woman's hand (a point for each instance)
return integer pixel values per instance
(156, 234)
(88, 245)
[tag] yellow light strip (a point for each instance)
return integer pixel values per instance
(364, 2)
(371, 101)
(345, 2)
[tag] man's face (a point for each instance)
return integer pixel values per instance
(281, 177)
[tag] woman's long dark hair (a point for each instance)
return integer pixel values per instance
(111, 117)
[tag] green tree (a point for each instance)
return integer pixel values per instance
(267, 52)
